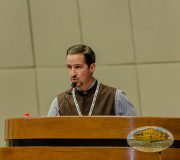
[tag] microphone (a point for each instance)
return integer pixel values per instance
(73, 85)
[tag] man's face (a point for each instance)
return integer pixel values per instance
(79, 71)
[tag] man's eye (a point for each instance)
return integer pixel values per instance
(78, 67)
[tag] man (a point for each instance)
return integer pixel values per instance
(89, 97)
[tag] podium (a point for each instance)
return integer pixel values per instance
(83, 138)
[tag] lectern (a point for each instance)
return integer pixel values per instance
(87, 138)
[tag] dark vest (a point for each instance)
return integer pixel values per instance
(104, 105)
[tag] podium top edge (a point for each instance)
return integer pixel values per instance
(92, 117)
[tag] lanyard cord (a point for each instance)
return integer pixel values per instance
(93, 102)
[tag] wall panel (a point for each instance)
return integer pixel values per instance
(156, 27)
(55, 28)
(15, 50)
(106, 28)
(160, 89)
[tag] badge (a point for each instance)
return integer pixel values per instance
(150, 139)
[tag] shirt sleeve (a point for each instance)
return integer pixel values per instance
(123, 106)
(53, 111)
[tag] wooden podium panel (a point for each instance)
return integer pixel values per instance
(76, 153)
(83, 138)
(108, 127)
(171, 154)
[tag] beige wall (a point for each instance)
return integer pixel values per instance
(137, 43)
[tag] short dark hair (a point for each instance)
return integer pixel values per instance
(88, 53)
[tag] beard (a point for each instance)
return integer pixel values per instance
(79, 84)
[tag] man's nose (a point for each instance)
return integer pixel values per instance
(73, 72)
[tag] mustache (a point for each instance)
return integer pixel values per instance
(74, 77)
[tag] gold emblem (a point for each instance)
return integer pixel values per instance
(150, 139)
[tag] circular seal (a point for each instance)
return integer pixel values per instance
(150, 139)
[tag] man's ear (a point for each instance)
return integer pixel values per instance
(92, 67)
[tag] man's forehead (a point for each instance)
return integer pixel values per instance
(75, 55)
(75, 58)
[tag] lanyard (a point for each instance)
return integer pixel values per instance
(93, 102)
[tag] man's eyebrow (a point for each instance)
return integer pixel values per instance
(68, 65)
